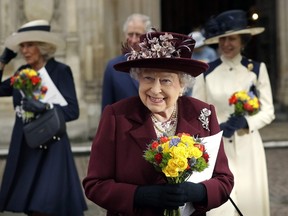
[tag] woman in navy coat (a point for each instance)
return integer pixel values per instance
(41, 181)
(119, 179)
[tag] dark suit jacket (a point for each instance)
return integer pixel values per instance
(117, 85)
(117, 166)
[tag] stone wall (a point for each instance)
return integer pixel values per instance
(93, 33)
(282, 49)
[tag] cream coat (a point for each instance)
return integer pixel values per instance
(245, 150)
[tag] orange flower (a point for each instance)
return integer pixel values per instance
(164, 139)
(12, 80)
(233, 99)
(248, 107)
(201, 147)
(154, 145)
(35, 80)
(245, 103)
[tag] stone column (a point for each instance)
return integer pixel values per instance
(69, 14)
(282, 49)
(100, 40)
(92, 30)
(91, 54)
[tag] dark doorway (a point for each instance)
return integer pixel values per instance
(182, 16)
(185, 15)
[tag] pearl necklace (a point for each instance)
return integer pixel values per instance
(167, 128)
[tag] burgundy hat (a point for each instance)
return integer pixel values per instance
(163, 50)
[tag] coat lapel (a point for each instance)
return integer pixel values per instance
(185, 126)
(143, 132)
(187, 118)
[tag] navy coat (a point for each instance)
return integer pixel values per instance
(117, 85)
(117, 166)
(43, 180)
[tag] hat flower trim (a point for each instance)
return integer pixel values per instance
(164, 46)
(203, 117)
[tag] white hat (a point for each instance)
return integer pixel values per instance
(37, 30)
(198, 37)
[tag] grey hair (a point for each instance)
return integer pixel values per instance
(186, 80)
(47, 50)
(136, 16)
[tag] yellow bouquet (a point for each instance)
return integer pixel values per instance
(177, 157)
(245, 103)
(28, 81)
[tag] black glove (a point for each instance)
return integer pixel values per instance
(193, 192)
(168, 196)
(32, 105)
(7, 55)
(228, 130)
(238, 122)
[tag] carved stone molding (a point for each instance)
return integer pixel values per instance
(282, 49)
(40, 9)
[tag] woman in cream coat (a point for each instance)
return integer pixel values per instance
(242, 142)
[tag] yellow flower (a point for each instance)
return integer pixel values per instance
(165, 147)
(242, 95)
(190, 145)
(29, 72)
(32, 73)
(254, 103)
(172, 169)
(178, 151)
(182, 163)
(194, 152)
(187, 139)
(174, 166)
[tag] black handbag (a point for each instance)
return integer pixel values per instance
(46, 128)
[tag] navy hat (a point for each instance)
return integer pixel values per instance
(163, 50)
(228, 23)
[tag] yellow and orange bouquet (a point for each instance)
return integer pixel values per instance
(245, 103)
(28, 81)
(177, 157)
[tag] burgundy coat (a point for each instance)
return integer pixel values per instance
(117, 166)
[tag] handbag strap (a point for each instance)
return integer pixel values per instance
(233, 203)
(235, 206)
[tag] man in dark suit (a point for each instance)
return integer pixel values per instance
(117, 86)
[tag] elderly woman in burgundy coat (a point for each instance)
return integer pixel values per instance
(119, 178)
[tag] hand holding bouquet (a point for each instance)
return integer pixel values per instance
(245, 103)
(28, 81)
(177, 157)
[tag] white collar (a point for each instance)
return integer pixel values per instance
(234, 61)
